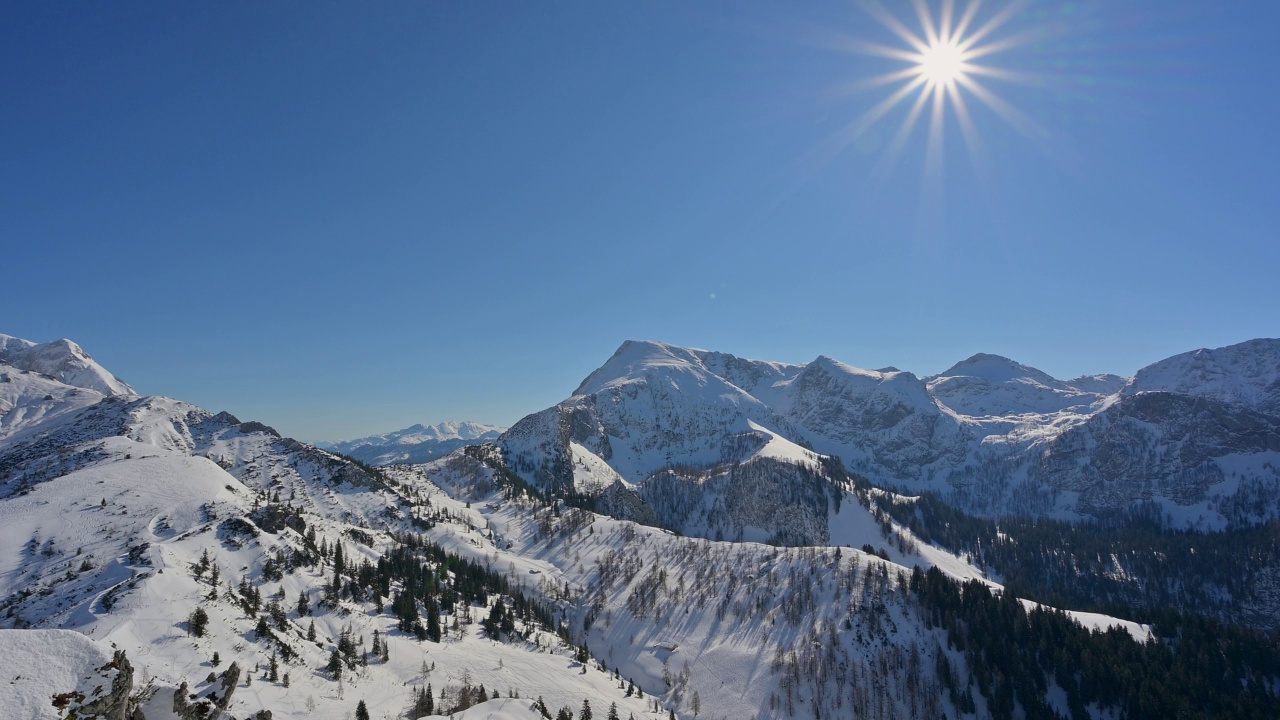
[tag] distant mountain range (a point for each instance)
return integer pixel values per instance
(416, 444)
(1194, 438)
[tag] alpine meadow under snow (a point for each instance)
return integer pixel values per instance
(689, 534)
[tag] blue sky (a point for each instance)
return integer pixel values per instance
(341, 218)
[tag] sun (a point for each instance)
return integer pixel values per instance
(946, 53)
(942, 64)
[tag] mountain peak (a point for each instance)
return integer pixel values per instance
(995, 369)
(64, 361)
(637, 357)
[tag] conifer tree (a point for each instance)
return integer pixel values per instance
(335, 665)
(198, 621)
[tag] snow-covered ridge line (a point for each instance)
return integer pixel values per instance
(995, 435)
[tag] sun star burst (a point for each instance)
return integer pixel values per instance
(944, 51)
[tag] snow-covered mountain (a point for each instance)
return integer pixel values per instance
(161, 561)
(61, 360)
(1244, 374)
(994, 435)
(415, 444)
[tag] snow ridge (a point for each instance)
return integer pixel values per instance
(995, 435)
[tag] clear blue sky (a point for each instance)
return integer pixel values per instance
(346, 218)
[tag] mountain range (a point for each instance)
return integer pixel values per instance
(414, 444)
(690, 534)
(1194, 438)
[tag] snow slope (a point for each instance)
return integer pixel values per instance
(737, 623)
(44, 667)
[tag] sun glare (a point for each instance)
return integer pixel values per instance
(946, 51)
(942, 64)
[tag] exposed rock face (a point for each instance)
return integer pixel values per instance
(624, 503)
(230, 678)
(115, 704)
(1154, 444)
(210, 702)
(761, 500)
(181, 707)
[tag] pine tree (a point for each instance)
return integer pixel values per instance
(311, 632)
(613, 711)
(335, 665)
(362, 712)
(203, 565)
(433, 620)
(198, 622)
(585, 714)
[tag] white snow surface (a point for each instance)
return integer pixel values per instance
(39, 664)
(591, 475)
(500, 709)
